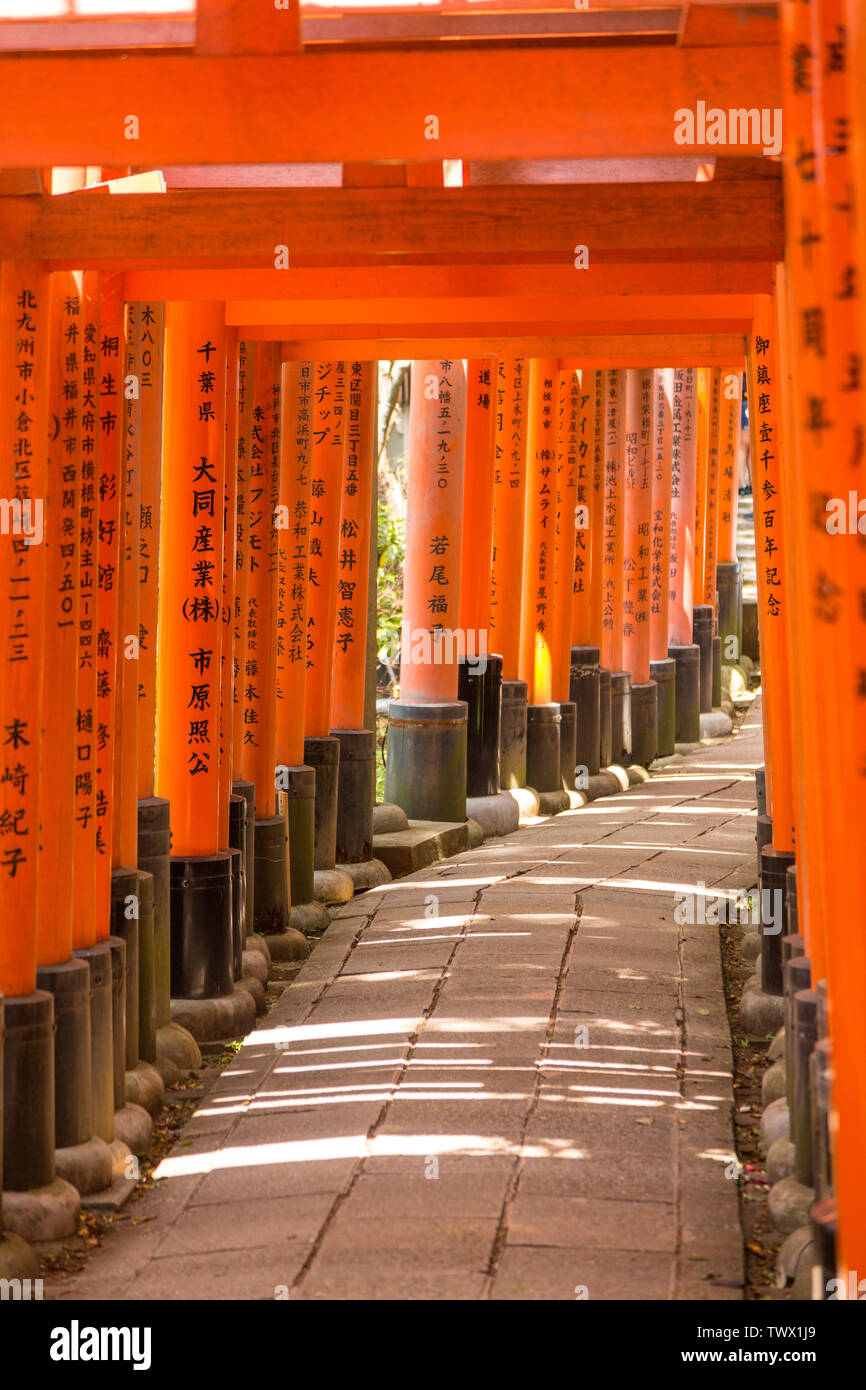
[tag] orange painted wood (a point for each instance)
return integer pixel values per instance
(150, 328)
(509, 491)
(730, 412)
(187, 741)
(62, 522)
(476, 556)
(546, 101)
(568, 440)
(704, 386)
(227, 27)
(434, 526)
(107, 373)
(126, 735)
(712, 506)
(637, 525)
(297, 404)
(662, 442)
(539, 534)
(380, 282)
(613, 521)
(596, 521)
(326, 471)
(353, 554)
(229, 586)
(87, 921)
(492, 224)
(683, 497)
(243, 432)
(24, 428)
(636, 350)
(581, 622)
(258, 754)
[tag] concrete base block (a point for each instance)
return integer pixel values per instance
(776, 1049)
(171, 1075)
(176, 1045)
(751, 946)
(257, 941)
(134, 1128)
(145, 1086)
(254, 964)
(213, 1020)
(87, 1167)
(17, 1260)
(774, 1082)
(308, 918)
(526, 799)
(715, 724)
(789, 1204)
(43, 1213)
(122, 1158)
(636, 774)
(387, 818)
(370, 874)
(332, 886)
(761, 1013)
(551, 803)
(112, 1198)
(475, 833)
(497, 815)
(781, 1158)
(405, 851)
(776, 1121)
(253, 985)
(292, 944)
(453, 836)
(796, 1257)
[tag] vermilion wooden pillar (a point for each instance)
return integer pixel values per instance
(426, 768)
(28, 1079)
(585, 677)
(537, 633)
(188, 671)
(729, 584)
(357, 787)
(509, 491)
(322, 751)
(662, 667)
(581, 618)
(702, 612)
(480, 678)
(637, 563)
(296, 781)
(612, 563)
(682, 555)
(243, 425)
(258, 759)
(568, 437)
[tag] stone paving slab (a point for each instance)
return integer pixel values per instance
(507, 1076)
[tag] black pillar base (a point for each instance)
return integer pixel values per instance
(620, 716)
(28, 1091)
(299, 798)
(426, 767)
(98, 958)
(323, 754)
(702, 635)
(271, 891)
(238, 844)
(664, 673)
(763, 838)
(512, 735)
(479, 683)
(542, 748)
(605, 722)
(69, 983)
(202, 951)
(248, 791)
(118, 1017)
(356, 795)
(146, 969)
(774, 869)
(125, 914)
(729, 587)
(717, 673)
(567, 744)
(644, 723)
(793, 923)
(688, 692)
(803, 1042)
(585, 691)
(154, 852)
(761, 790)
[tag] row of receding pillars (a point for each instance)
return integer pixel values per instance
(184, 661)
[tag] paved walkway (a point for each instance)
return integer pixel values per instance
(506, 1077)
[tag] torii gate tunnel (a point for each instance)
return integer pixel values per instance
(610, 242)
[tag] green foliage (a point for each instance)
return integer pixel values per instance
(391, 550)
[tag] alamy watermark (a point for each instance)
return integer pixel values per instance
(738, 126)
(22, 517)
(699, 908)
